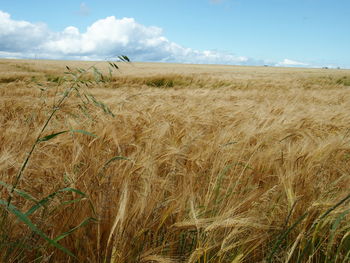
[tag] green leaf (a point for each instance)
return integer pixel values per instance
(219, 182)
(283, 236)
(110, 73)
(98, 75)
(84, 132)
(115, 158)
(51, 136)
(45, 200)
(69, 189)
(57, 80)
(335, 206)
(72, 201)
(86, 221)
(41, 203)
(113, 65)
(24, 218)
(101, 105)
(20, 192)
(124, 58)
(334, 227)
(229, 143)
(81, 70)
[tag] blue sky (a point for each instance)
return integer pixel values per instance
(312, 33)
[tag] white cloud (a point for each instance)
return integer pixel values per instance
(16, 36)
(291, 63)
(106, 38)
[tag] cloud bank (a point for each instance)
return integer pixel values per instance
(107, 38)
(290, 63)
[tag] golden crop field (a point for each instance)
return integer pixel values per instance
(173, 163)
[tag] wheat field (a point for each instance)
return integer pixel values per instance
(168, 163)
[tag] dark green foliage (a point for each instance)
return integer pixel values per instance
(160, 83)
(344, 81)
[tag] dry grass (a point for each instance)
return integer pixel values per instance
(225, 164)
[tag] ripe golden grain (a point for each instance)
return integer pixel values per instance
(223, 161)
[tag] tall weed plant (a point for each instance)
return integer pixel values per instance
(30, 243)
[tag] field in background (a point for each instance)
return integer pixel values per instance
(175, 163)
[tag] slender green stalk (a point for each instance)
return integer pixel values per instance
(20, 172)
(54, 110)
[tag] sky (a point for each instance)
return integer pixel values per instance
(300, 33)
